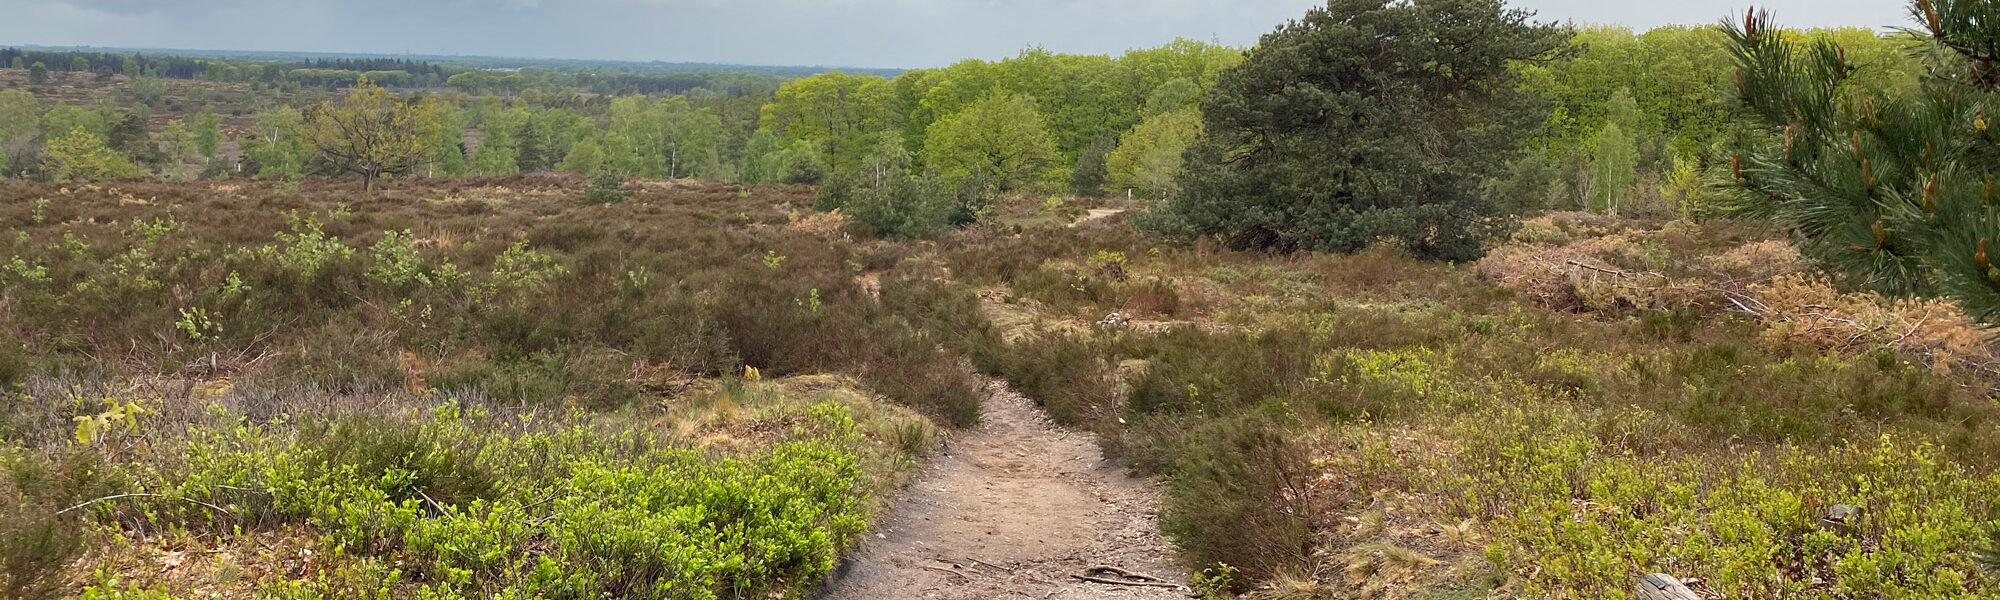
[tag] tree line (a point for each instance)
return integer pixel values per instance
(1634, 119)
(1601, 118)
(471, 76)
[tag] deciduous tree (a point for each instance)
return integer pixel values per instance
(20, 118)
(1150, 155)
(1000, 140)
(207, 128)
(1614, 162)
(371, 133)
(763, 161)
(585, 156)
(82, 156)
(274, 146)
(841, 114)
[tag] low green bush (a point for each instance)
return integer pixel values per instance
(475, 508)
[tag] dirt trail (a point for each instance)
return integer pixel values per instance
(1097, 214)
(1015, 507)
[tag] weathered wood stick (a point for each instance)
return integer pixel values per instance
(1661, 586)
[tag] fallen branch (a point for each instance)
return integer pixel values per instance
(990, 565)
(434, 504)
(951, 571)
(124, 496)
(1095, 575)
(1739, 304)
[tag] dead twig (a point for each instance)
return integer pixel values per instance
(951, 571)
(990, 565)
(1913, 328)
(434, 504)
(1129, 578)
(124, 496)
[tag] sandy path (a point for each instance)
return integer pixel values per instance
(1015, 507)
(1096, 214)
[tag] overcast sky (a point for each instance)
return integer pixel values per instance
(862, 33)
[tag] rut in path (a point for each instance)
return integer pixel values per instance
(1014, 508)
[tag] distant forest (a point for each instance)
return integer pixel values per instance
(474, 75)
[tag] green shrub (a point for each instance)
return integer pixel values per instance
(1750, 527)
(1413, 150)
(110, 591)
(568, 511)
(605, 187)
(37, 543)
(1240, 493)
(1066, 375)
(908, 206)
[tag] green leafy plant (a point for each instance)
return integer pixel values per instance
(117, 415)
(1214, 583)
(397, 264)
(196, 324)
(308, 251)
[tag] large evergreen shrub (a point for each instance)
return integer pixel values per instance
(1363, 121)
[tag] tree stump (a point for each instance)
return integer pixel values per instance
(1661, 586)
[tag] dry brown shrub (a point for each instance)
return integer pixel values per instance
(1758, 261)
(1807, 308)
(1579, 277)
(828, 223)
(1602, 267)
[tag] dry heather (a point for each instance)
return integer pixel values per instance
(1588, 405)
(452, 389)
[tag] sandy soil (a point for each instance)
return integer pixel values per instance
(1097, 214)
(1015, 508)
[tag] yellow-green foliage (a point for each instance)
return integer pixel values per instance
(1149, 156)
(566, 510)
(82, 156)
(1577, 513)
(1420, 376)
(111, 591)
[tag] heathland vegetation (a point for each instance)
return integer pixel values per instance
(1417, 299)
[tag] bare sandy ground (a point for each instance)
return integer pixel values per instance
(1016, 508)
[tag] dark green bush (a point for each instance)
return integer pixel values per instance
(605, 188)
(1424, 123)
(911, 206)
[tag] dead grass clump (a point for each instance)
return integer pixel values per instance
(1758, 261)
(1378, 568)
(1805, 308)
(1613, 274)
(824, 224)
